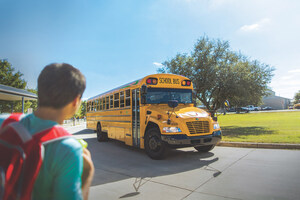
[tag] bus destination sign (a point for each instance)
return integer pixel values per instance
(169, 81)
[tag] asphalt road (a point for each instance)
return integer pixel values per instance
(123, 172)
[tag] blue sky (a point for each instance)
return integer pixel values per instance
(114, 42)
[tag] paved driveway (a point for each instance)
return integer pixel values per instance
(124, 172)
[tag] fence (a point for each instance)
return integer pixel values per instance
(74, 122)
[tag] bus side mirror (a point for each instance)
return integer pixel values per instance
(144, 90)
(194, 98)
(172, 103)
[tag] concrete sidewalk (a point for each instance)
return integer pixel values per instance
(259, 145)
(124, 172)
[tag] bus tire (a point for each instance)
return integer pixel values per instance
(101, 136)
(204, 148)
(155, 148)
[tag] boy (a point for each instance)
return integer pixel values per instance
(67, 169)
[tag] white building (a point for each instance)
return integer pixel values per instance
(276, 102)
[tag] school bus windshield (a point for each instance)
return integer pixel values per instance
(163, 95)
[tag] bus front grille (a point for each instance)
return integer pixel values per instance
(198, 127)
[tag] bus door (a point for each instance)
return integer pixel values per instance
(136, 117)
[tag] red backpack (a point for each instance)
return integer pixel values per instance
(21, 157)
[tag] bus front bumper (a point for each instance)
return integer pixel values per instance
(183, 140)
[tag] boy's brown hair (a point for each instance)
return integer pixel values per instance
(59, 84)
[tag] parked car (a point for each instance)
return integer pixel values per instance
(267, 108)
(242, 109)
(253, 108)
(297, 106)
(231, 109)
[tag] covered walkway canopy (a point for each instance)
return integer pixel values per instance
(13, 94)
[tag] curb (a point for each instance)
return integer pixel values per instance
(259, 145)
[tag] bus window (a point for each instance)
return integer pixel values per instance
(107, 103)
(92, 107)
(116, 100)
(163, 95)
(88, 107)
(100, 104)
(111, 103)
(103, 103)
(96, 105)
(122, 99)
(127, 93)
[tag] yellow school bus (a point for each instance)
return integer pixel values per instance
(153, 113)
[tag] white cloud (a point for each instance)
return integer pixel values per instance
(287, 77)
(286, 85)
(294, 71)
(214, 4)
(255, 27)
(157, 64)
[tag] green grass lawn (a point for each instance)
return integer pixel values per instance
(268, 127)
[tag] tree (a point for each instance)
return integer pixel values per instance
(14, 79)
(219, 74)
(81, 111)
(8, 77)
(297, 97)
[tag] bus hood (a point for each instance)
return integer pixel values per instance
(182, 111)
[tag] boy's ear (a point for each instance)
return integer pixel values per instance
(76, 101)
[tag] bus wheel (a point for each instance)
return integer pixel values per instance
(204, 148)
(154, 146)
(101, 136)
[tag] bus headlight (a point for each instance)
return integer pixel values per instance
(216, 126)
(171, 130)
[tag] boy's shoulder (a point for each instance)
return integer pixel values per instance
(3, 117)
(35, 125)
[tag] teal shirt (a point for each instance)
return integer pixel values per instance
(60, 173)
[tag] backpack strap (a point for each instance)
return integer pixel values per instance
(14, 117)
(46, 136)
(12, 122)
(51, 134)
